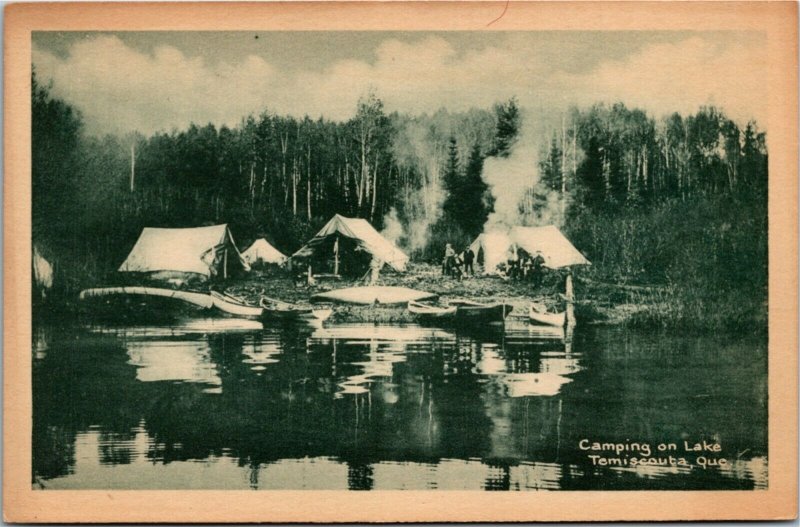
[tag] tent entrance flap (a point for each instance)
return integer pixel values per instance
(344, 257)
(261, 252)
(353, 239)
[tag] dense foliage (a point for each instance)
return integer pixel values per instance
(679, 202)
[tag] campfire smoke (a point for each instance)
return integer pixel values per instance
(422, 205)
(392, 228)
(520, 198)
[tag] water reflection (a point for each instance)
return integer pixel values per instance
(259, 353)
(157, 360)
(544, 378)
(228, 403)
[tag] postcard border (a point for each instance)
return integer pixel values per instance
(778, 19)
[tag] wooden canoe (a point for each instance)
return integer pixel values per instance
(469, 311)
(286, 311)
(231, 305)
(369, 295)
(432, 314)
(541, 317)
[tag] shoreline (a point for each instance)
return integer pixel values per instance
(596, 303)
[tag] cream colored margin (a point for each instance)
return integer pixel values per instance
(22, 504)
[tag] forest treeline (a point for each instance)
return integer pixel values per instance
(634, 193)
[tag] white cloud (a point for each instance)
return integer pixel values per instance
(664, 78)
(119, 88)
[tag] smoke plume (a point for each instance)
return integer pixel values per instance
(417, 149)
(393, 229)
(514, 181)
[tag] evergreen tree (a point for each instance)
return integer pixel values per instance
(550, 168)
(466, 205)
(476, 201)
(507, 129)
(453, 184)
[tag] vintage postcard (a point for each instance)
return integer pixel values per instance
(344, 262)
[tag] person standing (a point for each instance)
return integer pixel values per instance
(537, 269)
(527, 267)
(469, 257)
(449, 260)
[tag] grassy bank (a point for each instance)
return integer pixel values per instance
(693, 264)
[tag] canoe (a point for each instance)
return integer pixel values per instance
(286, 311)
(231, 305)
(369, 295)
(475, 312)
(540, 316)
(432, 314)
(200, 300)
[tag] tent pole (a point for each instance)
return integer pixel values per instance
(336, 256)
(225, 264)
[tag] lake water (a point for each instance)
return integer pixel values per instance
(231, 404)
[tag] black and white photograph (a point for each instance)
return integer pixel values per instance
(400, 260)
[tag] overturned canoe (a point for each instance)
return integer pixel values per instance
(234, 306)
(369, 295)
(541, 317)
(201, 300)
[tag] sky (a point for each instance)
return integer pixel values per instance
(160, 81)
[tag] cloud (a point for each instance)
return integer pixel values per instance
(119, 88)
(682, 76)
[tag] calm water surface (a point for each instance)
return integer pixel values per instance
(231, 404)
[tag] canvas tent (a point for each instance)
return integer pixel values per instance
(199, 251)
(494, 248)
(555, 247)
(261, 252)
(342, 237)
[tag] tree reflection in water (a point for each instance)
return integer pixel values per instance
(228, 405)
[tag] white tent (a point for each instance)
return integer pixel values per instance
(365, 237)
(556, 249)
(261, 252)
(204, 251)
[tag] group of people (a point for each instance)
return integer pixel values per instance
(526, 267)
(519, 266)
(456, 265)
